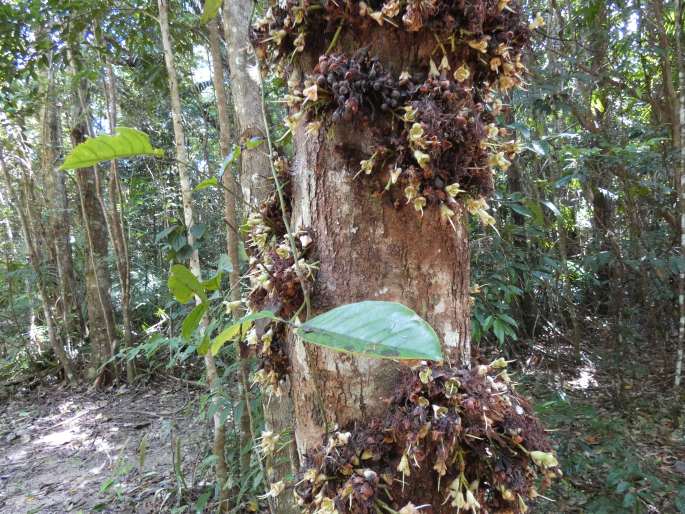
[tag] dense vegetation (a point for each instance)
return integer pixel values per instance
(180, 249)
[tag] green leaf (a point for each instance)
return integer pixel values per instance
(184, 285)
(538, 148)
(498, 329)
(210, 182)
(212, 284)
(254, 142)
(203, 347)
(210, 11)
(127, 142)
(224, 263)
(238, 328)
(232, 157)
(552, 208)
(198, 230)
(521, 209)
(228, 334)
(165, 233)
(178, 242)
(260, 315)
(192, 320)
(508, 319)
(629, 500)
(385, 330)
(106, 485)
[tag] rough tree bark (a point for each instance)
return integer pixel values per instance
(182, 163)
(58, 208)
(366, 117)
(368, 250)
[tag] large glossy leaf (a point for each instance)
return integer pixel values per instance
(184, 285)
(385, 330)
(127, 142)
(192, 320)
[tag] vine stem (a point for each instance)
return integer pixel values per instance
(293, 247)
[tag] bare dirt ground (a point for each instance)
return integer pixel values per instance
(64, 450)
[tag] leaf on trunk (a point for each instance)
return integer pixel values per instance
(384, 330)
(127, 142)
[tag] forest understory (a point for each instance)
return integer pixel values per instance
(66, 449)
(342, 256)
(69, 449)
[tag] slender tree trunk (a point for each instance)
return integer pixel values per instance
(681, 191)
(187, 199)
(230, 187)
(230, 190)
(24, 213)
(115, 223)
(257, 183)
(671, 97)
(255, 178)
(101, 326)
(58, 213)
(566, 288)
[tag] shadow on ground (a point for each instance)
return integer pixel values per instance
(63, 450)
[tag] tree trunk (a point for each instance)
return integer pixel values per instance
(58, 210)
(256, 183)
(255, 179)
(24, 213)
(117, 231)
(680, 59)
(101, 328)
(228, 181)
(182, 162)
(98, 283)
(368, 250)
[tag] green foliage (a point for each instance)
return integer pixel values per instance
(238, 329)
(184, 285)
(127, 142)
(210, 10)
(192, 321)
(385, 330)
(607, 472)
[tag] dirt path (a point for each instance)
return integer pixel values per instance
(63, 450)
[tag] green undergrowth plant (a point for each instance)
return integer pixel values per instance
(610, 469)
